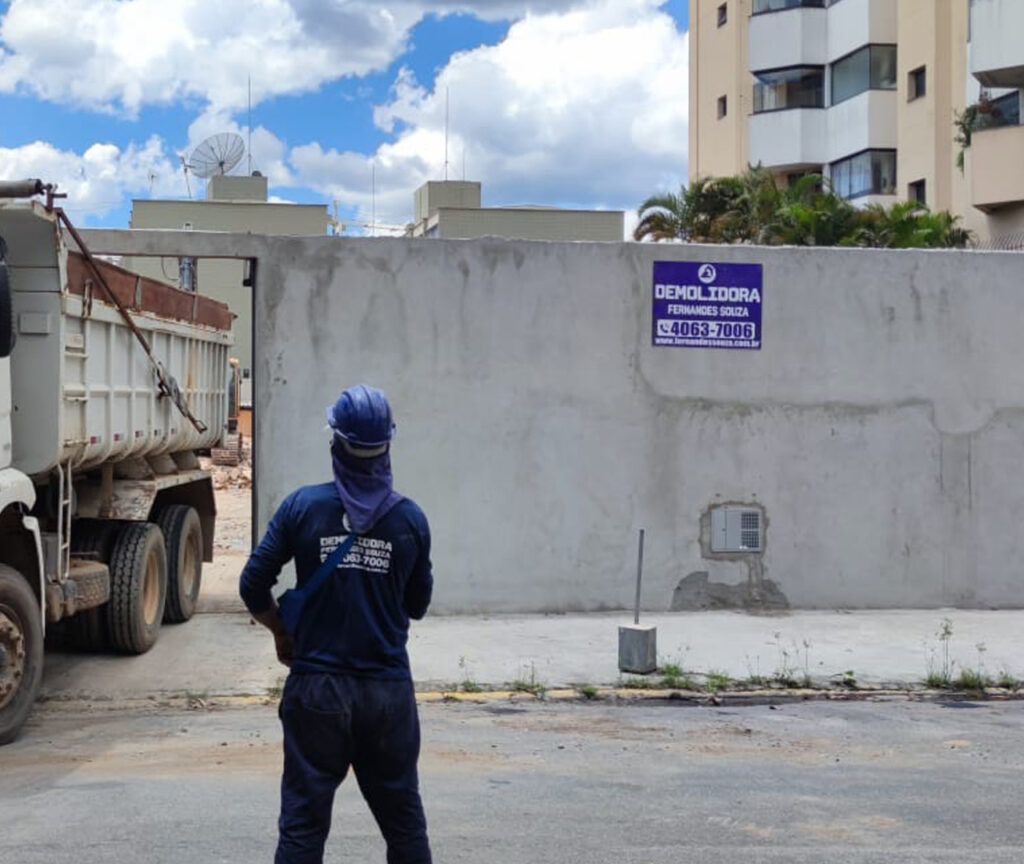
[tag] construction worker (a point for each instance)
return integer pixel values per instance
(362, 560)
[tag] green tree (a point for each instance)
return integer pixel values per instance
(662, 217)
(752, 208)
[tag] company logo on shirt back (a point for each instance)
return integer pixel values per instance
(366, 554)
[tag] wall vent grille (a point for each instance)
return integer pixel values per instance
(736, 529)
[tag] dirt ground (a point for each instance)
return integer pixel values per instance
(232, 541)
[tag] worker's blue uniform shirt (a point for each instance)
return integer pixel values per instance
(358, 623)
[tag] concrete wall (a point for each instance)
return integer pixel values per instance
(222, 280)
(881, 427)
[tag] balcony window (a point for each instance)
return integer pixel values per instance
(779, 5)
(871, 172)
(1004, 111)
(872, 67)
(799, 87)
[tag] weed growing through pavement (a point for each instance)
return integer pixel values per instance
(529, 683)
(674, 678)
(974, 679)
(754, 677)
(198, 700)
(587, 691)
(716, 681)
(1008, 681)
(846, 678)
(940, 675)
(807, 663)
(468, 684)
(785, 671)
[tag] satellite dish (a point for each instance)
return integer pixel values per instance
(218, 154)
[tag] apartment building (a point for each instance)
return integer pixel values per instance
(867, 92)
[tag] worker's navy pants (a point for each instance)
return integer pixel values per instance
(334, 721)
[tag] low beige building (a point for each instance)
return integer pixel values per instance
(451, 209)
(235, 204)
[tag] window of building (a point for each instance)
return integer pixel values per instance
(872, 67)
(915, 192)
(723, 107)
(799, 87)
(916, 83)
(1004, 111)
(870, 172)
(761, 6)
(723, 14)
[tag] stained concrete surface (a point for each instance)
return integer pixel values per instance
(580, 784)
(221, 652)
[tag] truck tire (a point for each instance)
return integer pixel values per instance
(183, 536)
(138, 588)
(21, 651)
(94, 541)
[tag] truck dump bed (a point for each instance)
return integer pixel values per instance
(84, 391)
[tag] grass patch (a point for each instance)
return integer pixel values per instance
(716, 681)
(673, 677)
(528, 684)
(1008, 681)
(587, 691)
(971, 679)
(937, 680)
(470, 686)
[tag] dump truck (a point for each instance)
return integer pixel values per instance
(110, 385)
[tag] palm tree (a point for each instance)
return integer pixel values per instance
(908, 225)
(811, 214)
(662, 217)
(751, 208)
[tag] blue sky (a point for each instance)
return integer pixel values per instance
(564, 102)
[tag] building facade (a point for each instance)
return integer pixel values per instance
(451, 209)
(235, 204)
(867, 93)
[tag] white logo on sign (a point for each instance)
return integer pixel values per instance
(707, 273)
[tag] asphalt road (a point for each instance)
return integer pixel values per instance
(517, 784)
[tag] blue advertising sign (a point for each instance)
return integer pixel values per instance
(703, 305)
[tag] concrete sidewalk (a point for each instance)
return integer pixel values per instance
(224, 653)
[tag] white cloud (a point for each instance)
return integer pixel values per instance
(123, 54)
(98, 180)
(119, 55)
(585, 108)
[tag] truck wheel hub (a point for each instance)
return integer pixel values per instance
(12, 655)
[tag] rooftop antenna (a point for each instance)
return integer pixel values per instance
(249, 146)
(184, 168)
(218, 154)
(152, 180)
(446, 100)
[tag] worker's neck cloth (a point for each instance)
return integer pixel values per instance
(365, 487)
